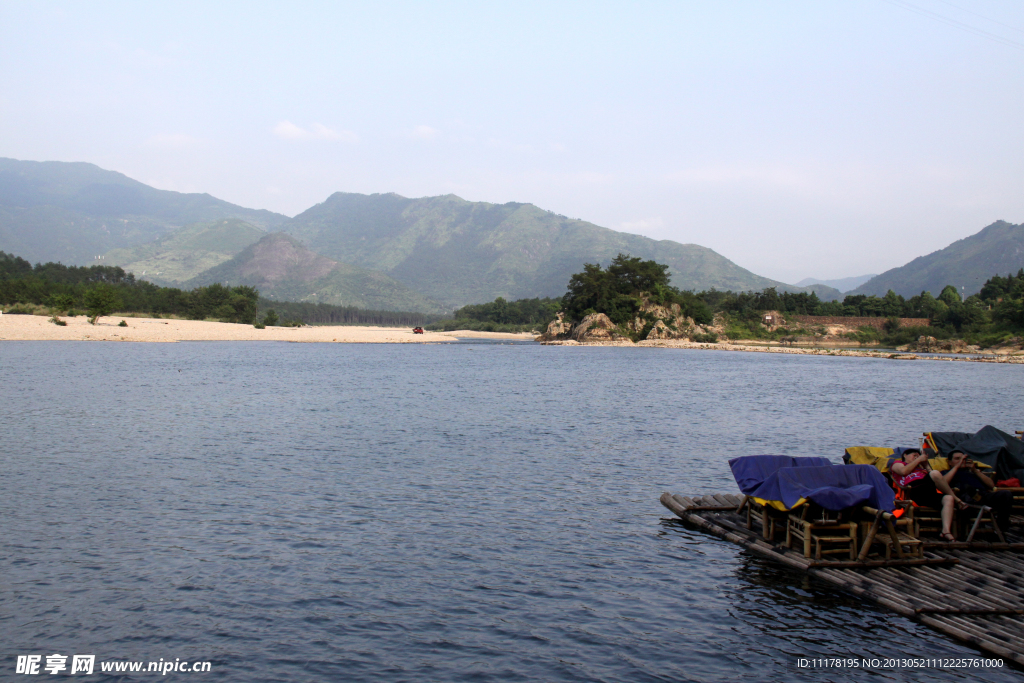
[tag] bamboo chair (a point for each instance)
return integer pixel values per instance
(984, 516)
(892, 533)
(821, 536)
(928, 520)
(772, 520)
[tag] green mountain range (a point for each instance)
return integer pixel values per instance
(386, 251)
(459, 252)
(73, 212)
(283, 269)
(185, 253)
(996, 250)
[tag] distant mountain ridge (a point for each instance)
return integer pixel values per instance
(72, 212)
(843, 284)
(997, 250)
(434, 252)
(185, 253)
(283, 269)
(460, 252)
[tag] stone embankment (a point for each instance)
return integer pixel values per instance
(854, 322)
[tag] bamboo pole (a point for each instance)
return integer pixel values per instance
(984, 643)
(870, 538)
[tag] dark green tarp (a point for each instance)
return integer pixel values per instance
(989, 445)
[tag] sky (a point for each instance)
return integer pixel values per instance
(820, 139)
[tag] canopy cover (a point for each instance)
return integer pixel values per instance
(989, 446)
(750, 471)
(877, 457)
(833, 488)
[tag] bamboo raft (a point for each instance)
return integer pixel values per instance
(971, 592)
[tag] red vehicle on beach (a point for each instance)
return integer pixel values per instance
(417, 330)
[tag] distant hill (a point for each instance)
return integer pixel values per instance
(283, 269)
(996, 250)
(824, 292)
(185, 253)
(72, 212)
(459, 252)
(843, 284)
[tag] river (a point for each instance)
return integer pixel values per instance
(453, 512)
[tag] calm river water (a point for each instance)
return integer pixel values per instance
(462, 512)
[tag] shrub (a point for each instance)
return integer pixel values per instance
(57, 321)
(709, 338)
(101, 300)
(122, 324)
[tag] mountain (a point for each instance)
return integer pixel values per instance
(824, 292)
(997, 250)
(72, 212)
(448, 250)
(459, 252)
(283, 269)
(186, 252)
(843, 284)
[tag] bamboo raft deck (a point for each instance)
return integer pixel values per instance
(971, 592)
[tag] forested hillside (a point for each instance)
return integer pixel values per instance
(73, 212)
(459, 252)
(283, 269)
(967, 263)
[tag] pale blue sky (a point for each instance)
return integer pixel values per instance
(799, 139)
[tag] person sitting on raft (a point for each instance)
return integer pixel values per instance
(926, 486)
(978, 488)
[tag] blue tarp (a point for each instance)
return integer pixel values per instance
(750, 471)
(833, 488)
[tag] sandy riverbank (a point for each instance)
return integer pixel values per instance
(39, 328)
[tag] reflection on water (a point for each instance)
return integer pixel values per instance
(436, 512)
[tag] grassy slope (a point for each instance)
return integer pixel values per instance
(282, 269)
(187, 252)
(72, 212)
(460, 252)
(996, 250)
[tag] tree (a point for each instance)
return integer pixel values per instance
(270, 319)
(101, 299)
(949, 295)
(59, 303)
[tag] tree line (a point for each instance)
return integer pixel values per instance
(327, 314)
(522, 315)
(105, 289)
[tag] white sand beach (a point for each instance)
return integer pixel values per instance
(39, 328)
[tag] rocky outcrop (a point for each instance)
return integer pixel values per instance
(597, 327)
(559, 328)
(662, 331)
(669, 324)
(933, 345)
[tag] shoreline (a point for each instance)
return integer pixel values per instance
(165, 330)
(759, 348)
